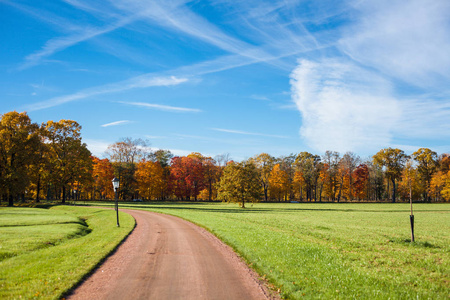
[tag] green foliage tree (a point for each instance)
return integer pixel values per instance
(240, 182)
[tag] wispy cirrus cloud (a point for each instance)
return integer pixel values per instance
(408, 40)
(343, 106)
(116, 123)
(241, 132)
(55, 45)
(162, 107)
(143, 81)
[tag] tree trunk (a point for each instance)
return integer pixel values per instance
(64, 194)
(10, 200)
(38, 188)
(210, 190)
(265, 192)
(393, 190)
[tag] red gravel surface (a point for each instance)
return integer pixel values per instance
(166, 257)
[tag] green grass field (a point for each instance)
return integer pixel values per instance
(45, 252)
(334, 251)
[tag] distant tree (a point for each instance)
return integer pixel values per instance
(240, 183)
(361, 181)
(163, 157)
(264, 164)
(102, 174)
(427, 164)
(348, 164)
(124, 156)
(211, 175)
(409, 186)
(222, 159)
(18, 141)
(279, 183)
(393, 161)
(186, 177)
(330, 173)
(150, 179)
(307, 166)
(287, 165)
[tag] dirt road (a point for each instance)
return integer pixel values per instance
(168, 258)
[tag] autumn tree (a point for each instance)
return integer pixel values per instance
(211, 173)
(18, 141)
(348, 164)
(279, 183)
(150, 179)
(264, 164)
(124, 156)
(186, 177)
(427, 163)
(307, 165)
(240, 182)
(361, 180)
(393, 161)
(409, 186)
(69, 157)
(39, 170)
(102, 174)
(287, 165)
(330, 173)
(163, 157)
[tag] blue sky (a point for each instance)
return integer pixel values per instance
(237, 77)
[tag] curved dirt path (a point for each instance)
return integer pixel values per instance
(166, 257)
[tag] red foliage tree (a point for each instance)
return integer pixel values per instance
(361, 177)
(186, 177)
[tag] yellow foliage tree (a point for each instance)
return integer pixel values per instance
(279, 183)
(150, 179)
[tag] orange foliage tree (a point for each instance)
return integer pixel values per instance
(103, 174)
(279, 183)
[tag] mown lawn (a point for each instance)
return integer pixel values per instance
(345, 251)
(44, 252)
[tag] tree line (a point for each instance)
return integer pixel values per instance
(50, 161)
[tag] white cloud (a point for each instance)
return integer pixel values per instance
(248, 133)
(343, 107)
(409, 40)
(425, 118)
(97, 147)
(60, 43)
(117, 123)
(143, 81)
(161, 107)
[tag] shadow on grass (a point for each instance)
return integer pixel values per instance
(200, 206)
(418, 244)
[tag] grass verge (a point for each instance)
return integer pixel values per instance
(334, 250)
(45, 252)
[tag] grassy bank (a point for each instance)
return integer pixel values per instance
(335, 250)
(44, 252)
